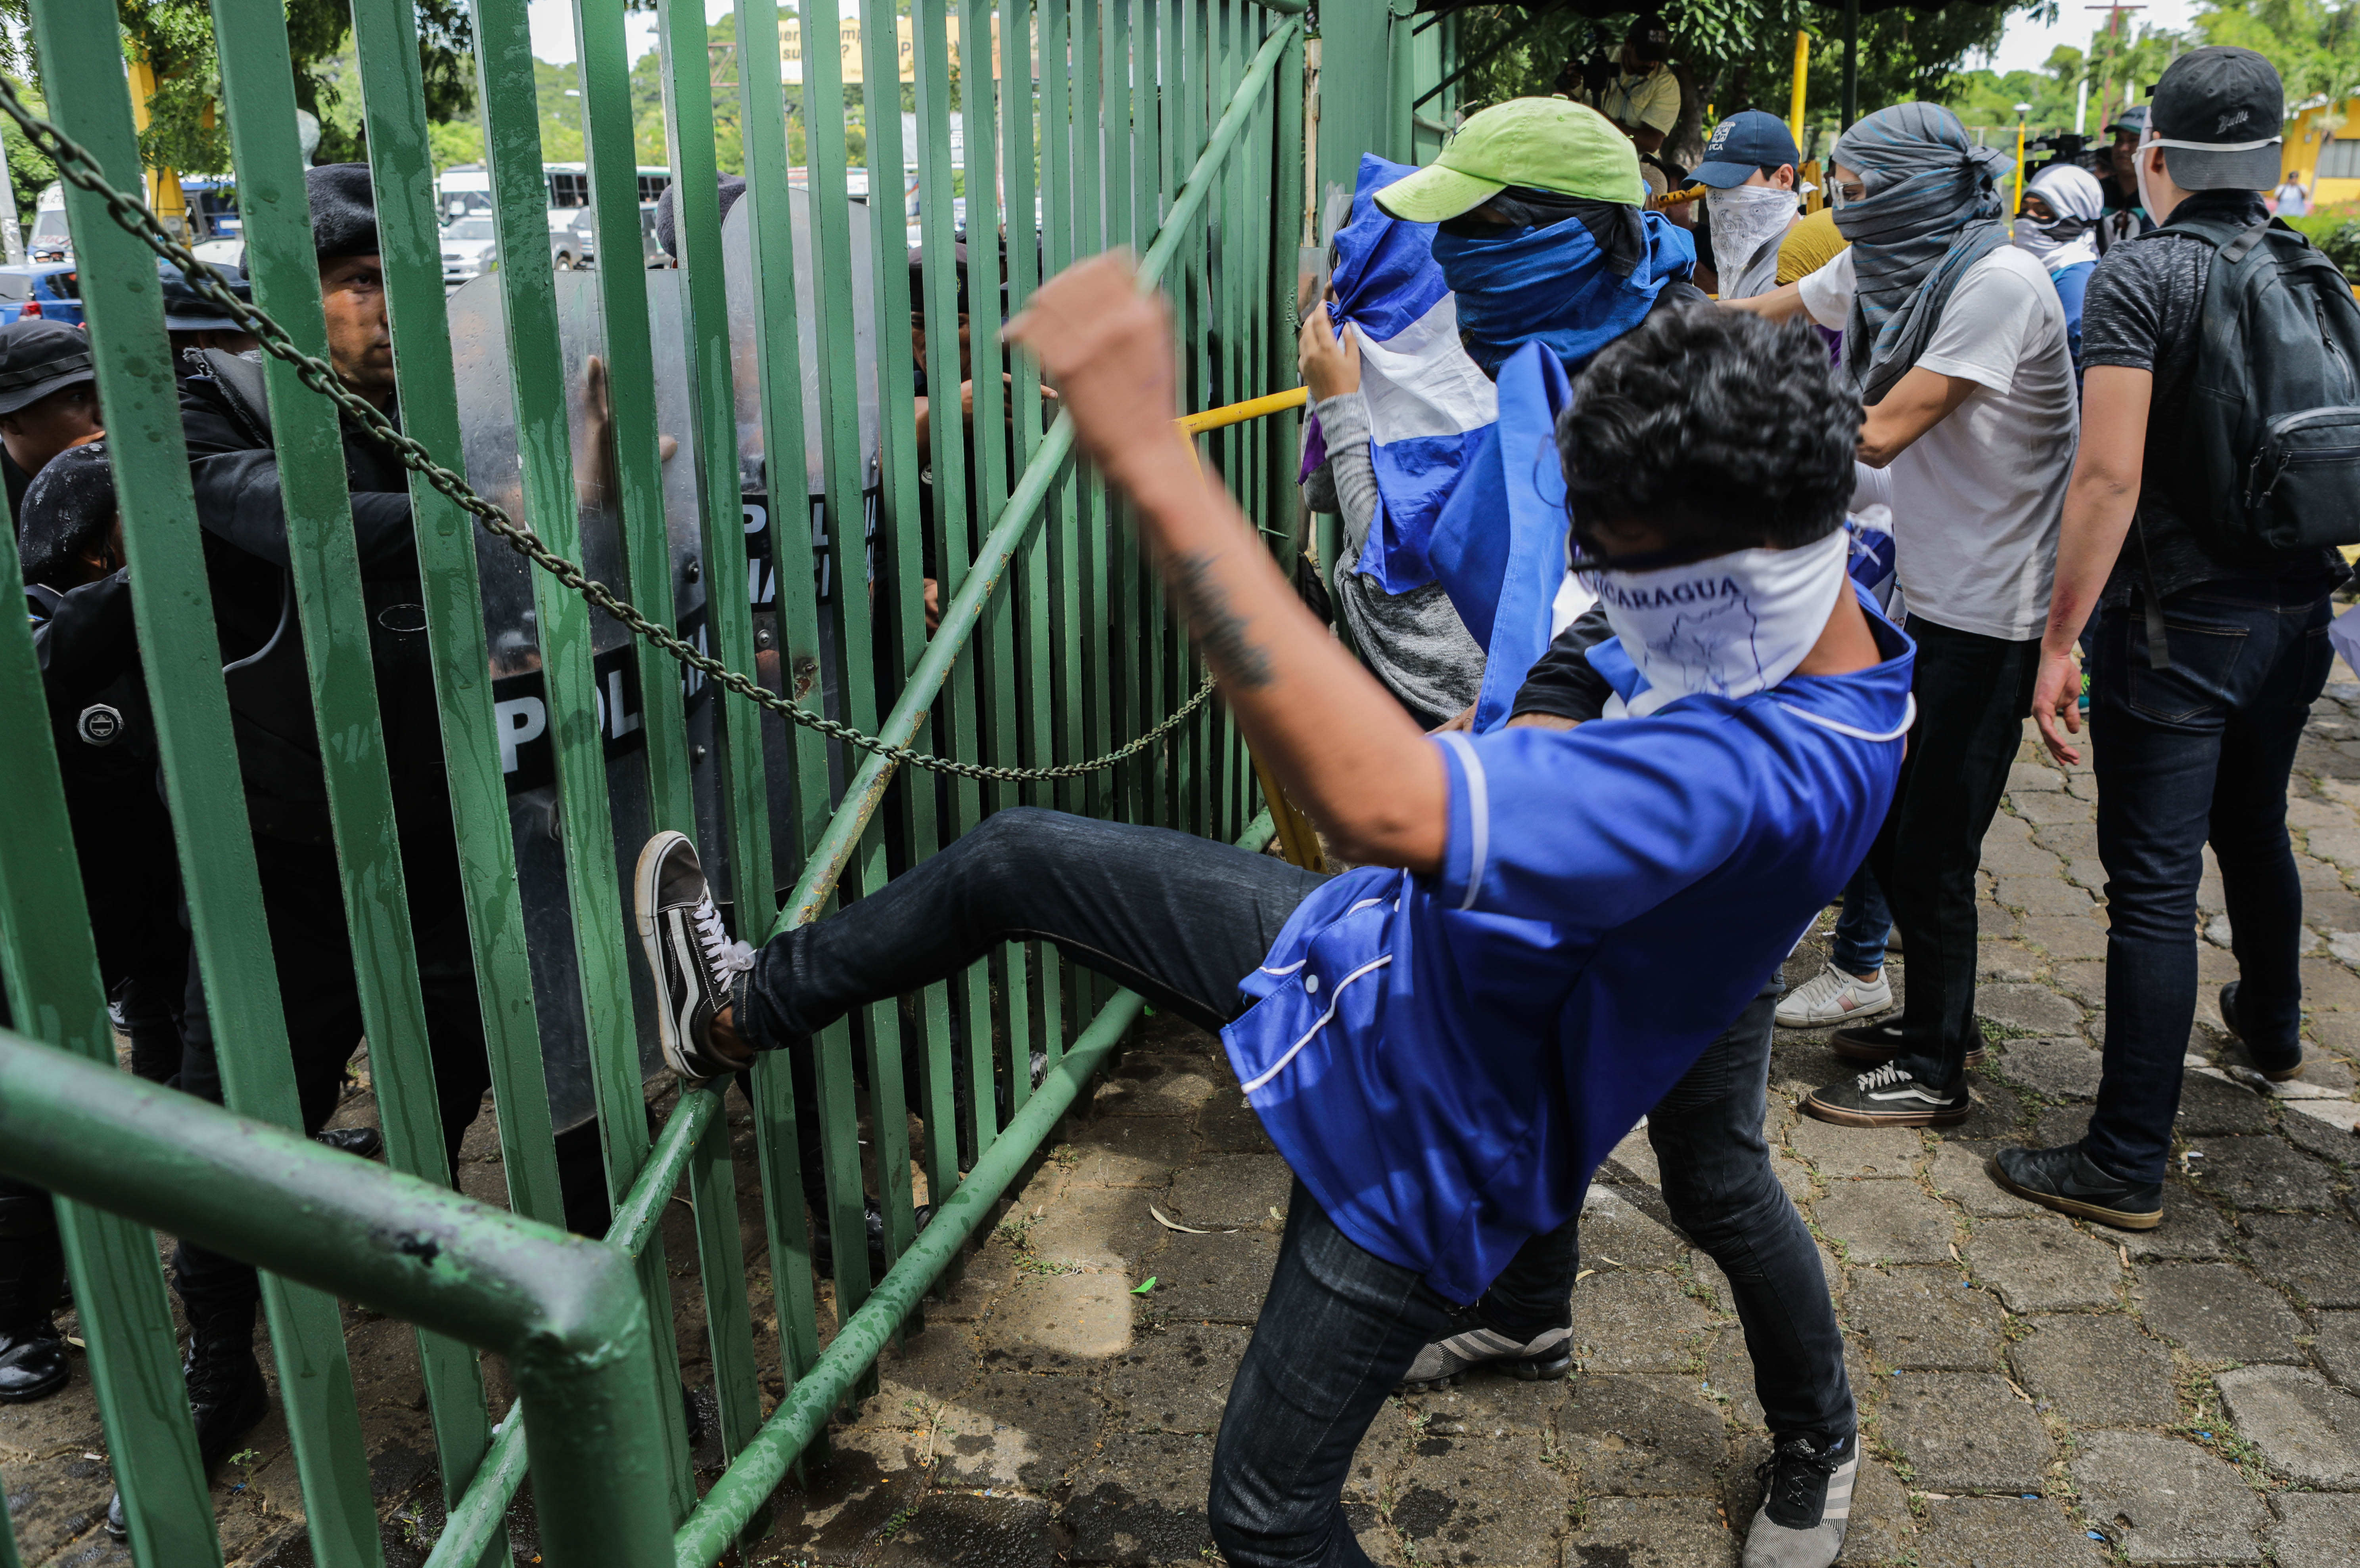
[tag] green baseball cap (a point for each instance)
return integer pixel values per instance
(1546, 143)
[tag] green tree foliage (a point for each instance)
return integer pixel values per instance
(1738, 54)
(2314, 45)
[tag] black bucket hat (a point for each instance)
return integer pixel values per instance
(38, 358)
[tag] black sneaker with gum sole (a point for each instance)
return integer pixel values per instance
(1878, 1043)
(2069, 1181)
(1888, 1096)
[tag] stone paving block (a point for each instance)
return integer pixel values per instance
(2315, 1530)
(1482, 1503)
(1882, 1525)
(2217, 1312)
(2048, 895)
(1729, 1376)
(1925, 1320)
(2096, 1370)
(1213, 1279)
(1489, 1407)
(1856, 1151)
(2055, 1125)
(958, 1528)
(2005, 1532)
(842, 1513)
(2209, 1108)
(2014, 854)
(2304, 1428)
(1615, 1232)
(1966, 1431)
(2033, 777)
(2323, 1128)
(1627, 1321)
(1996, 1111)
(2042, 809)
(2063, 1068)
(2066, 937)
(2164, 1500)
(1962, 1173)
(1636, 1157)
(1793, 1175)
(1140, 1500)
(2042, 1264)
(1649, 1436)
(2337, 1345)
(1993, 922)
(926, 1369)
(2264, 1173)
(1095, 1227)
(1230, 1189)
(2317, 1258)
(2329, 986)
(1176, 1380)
(1886, 1221)
(1015, 1429)
(1059, 1323)
(2192, 1228)
(1129, 1151)
(2069, 840)
(2082, 979)
(1651, 1532)
(2036, 1009)
(2007, 959)
(1229, 1126)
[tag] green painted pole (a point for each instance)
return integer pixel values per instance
(566, 1313)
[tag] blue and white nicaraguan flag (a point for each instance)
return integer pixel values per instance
(1429, 407)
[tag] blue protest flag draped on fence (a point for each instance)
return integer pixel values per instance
(1498, 548)
(1429, 404)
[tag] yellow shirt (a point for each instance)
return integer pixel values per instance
(1651, 100)
(1810, 246)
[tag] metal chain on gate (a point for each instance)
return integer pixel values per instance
(131, 215)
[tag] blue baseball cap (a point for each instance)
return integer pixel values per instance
(1743, 144)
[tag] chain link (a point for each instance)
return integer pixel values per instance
(131, 214)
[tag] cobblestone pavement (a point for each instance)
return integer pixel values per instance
(2034, 1393)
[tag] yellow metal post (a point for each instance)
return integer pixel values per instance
(2019, 158)
(1802, 78)
(164, 195)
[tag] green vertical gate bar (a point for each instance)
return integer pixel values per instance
(768, 221)
(846, 471)
(946, 456)
(902, 632)
(1066, 677)
(49, 968)
(746, 817)
(401, 169)
(82, 73)
(537, 372)
(635, 457)
(325, 564)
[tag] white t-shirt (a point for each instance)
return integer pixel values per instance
(1976, 499)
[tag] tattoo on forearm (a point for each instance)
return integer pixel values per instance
(1219, 629)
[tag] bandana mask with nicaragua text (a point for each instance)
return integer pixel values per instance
(1729, 625)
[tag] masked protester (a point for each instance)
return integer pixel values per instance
(2125, 215)
(1957, 339)
(2059, 226)
(1751, 202)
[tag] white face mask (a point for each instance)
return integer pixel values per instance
(2138, 173)
(1730, 625)
(1745, 219)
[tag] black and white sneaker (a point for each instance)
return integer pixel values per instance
(1889, 1096)
(691, 958)
(1546, 1356)
(1806, 1503)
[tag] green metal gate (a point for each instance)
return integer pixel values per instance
(1170, 125)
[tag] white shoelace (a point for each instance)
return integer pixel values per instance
(1885, 1076)
(722, 956)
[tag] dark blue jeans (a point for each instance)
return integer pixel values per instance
(1180, 920)
(2199, 752)
(1863, 927)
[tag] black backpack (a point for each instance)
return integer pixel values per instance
(2271, 444)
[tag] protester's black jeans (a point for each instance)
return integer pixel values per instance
(2198, 751)
(1972, 692)
(1182, 920)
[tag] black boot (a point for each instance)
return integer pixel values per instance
(226, 1395)
(823, 1246)
(32, 1352)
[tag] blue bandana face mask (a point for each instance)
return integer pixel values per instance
(1555, 286)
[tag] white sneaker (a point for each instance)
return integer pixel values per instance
(1833, 997)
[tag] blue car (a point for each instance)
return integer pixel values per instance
(50, 290)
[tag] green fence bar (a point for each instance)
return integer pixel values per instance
(566, 1313)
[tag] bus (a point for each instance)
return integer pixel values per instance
(465, 190)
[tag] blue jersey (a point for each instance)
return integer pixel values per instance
(1445, 1060)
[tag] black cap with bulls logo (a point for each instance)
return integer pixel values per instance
(2219, 115)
